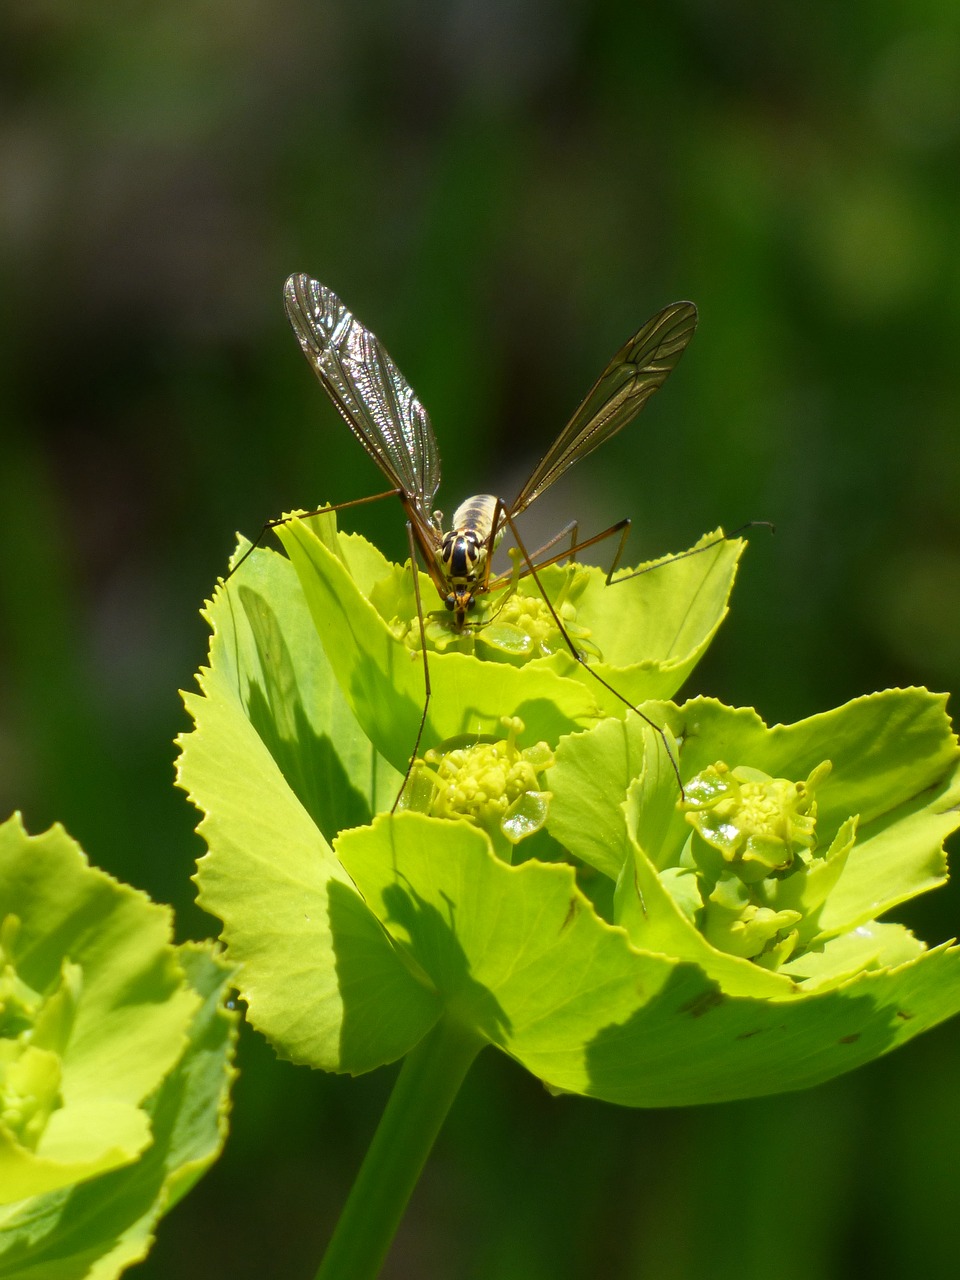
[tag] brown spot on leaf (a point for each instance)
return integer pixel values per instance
(572, 912)
(702, 1004)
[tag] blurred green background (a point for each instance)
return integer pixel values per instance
(502, 193)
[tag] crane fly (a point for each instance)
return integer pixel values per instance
(385, 415)
(380, 408)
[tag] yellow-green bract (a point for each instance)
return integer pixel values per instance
(115, 1054)
(359, 931)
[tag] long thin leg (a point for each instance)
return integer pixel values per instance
(502, 580)
(426, 667)
(619, 552)
(622, 527)
(572, 528)
(658, 729)
(305, 515)
(694, 551)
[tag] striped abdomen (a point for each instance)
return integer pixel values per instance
(463, 554)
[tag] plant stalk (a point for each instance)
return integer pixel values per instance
(429, 1080)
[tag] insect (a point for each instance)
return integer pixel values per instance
(380, 408)
(382, 411)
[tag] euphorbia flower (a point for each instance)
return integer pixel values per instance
(634, 909)
(654, 947)
(115, 1056)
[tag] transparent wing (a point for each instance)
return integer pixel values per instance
(369, 391)
(640, 367)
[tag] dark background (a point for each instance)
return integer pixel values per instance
(503, 192)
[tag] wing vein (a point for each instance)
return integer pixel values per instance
(367, 389)
(640, 367)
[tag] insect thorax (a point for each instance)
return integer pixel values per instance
(463, 553)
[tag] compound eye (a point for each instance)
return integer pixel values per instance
(450, 601)
(471, 602)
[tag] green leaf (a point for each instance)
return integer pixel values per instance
(589, 781)
(650, 629)
(95, 1230)
(266, 661)
(871, 946)
(275, 759)
(653, 629)
(130, 1013)
(618, 815)
(895, 765)
(737, 1048)
(353, 948)
(383, 679)
(518, 955)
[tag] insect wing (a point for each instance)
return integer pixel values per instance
(640, 367)
(368, 390)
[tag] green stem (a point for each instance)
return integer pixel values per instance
(428, 1082)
